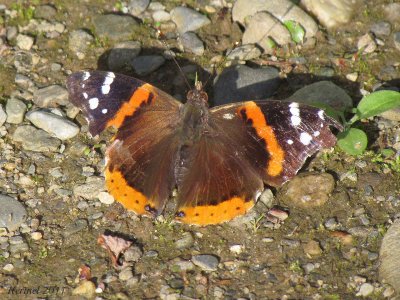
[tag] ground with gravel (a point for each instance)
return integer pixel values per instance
(317, 237)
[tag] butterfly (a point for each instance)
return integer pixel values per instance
(218, 158)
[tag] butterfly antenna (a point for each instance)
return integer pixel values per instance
(161, 36)
(215, 68)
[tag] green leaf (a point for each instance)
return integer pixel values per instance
(296, 31)
(270, 43)
(377, 103)
(353, 141)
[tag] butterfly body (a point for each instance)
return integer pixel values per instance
(218, 159)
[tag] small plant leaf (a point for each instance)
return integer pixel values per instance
(352, 141)
(296, 31)
(377, 103)
(270, 43)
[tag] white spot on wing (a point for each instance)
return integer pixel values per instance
(108, 80)
(105, 89)
(93, 103)
(321, 114)
(295, 120)
(305, 138)
(228, 116)
(290, 142)
(295, 111)
(85, 76)
(316, 133)
(85, 95)
(104, 110)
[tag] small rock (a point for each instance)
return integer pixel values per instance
(51, 96)
(24, 42)
(106, 198)
(132, 281)
(331, 223)
(122, 54)
(15, 110)
(290, 243)
(366, 43)
(243, 53)
(37, 235)
(33, 139)
(186, 241)
(133, 254)
(57, 126)
(365, 290)
(345, 237)
(12, 33)
(161, 16)
(151, 253)
(396, 39)
(191, 43)
(24, 61)
(236, 249)
(187, 19)
(86, 289)
(267, 197)
(310, 190)
(75, 227)
(280, 214)
(91, 189)
(12, 213)
(352, 76)
(392, 11)
(125, 274)
(17, 248)
(312, 248)
(381, 28)
(79, 42)
(46, 12)
(3, 116)
(8, 267)
(115, 27)
(181, 266)
(206, 262)
(137, 7)
(144, 65)
(23, 81)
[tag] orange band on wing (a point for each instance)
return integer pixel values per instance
(129, 197)
(266, 132)
(140, 96)
(214, 214)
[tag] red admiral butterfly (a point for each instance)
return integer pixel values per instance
(218, 158)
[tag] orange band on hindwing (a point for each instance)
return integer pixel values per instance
(253, 112)
(142, 95)
(214, 214)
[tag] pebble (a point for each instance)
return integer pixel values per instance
(146, 64)
(365, 290)
(133, 254)
(51, 96)
(137, 7)
(24, 42)
(241, 83)
(310, 190)
(267, 198)
(381, 28)
(331, 224)
(366, 43)
(37, 235)
(352, 76)
(331, 13)
(16, 248)
(46, 12)
(115, 27)
(290, 243)
(345, 237)
(325, 72)
(206, 262)
(396, 39)
(151, 253)
(161, 16)
(125, 274)
(261, 28)
(75, 227)
(282, 10)
(106, 198)
(392, 11)
(15, 110)
(312, 248)
(24, 61)
(91, 189)
(79, 42)
(86, 288)
(243, 53)
(8, 267)
(122, 54)
(3, 116)
(190, 42)
(12, 32)
(23, 81)
(12, 213)
(323, 91)
(236, 249)
(57, 126)
(184, 242)
(187, 19)
(178, 266)
(33, 139)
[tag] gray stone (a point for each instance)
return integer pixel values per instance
(33, 139)
(241, 83)
(46, 12)
(115, 27)
(381, 28)
(144, 65)
(122, 55)
(261, 27)
(191, 43)
(245, 52)
(15, 110)
(3, 116)
(366, 289)
(179, 265)
(19, 248)
(323, 92)
(206, 262)
(185, 241)
(396, 39)
(12, 213)
(133, 254)
(367, 43)
(325, 72)
(75, 227)
(125, 274)
(187, 19)
(12, 32)
(392, 11)
(283, 10)
(161, 16)
(57, 126)
(23, 81)
(24, 42)
(79, 41)
(137, 7)
(91, 189)
(24, 61)
(391, 114)
(51, 96)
